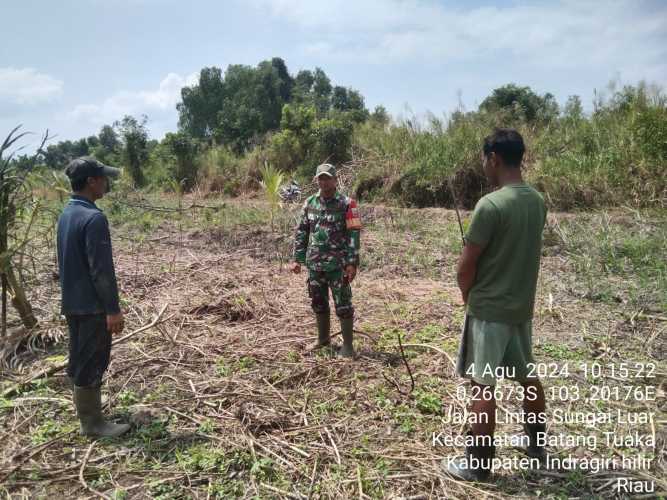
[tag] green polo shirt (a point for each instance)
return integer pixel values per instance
(508, 223)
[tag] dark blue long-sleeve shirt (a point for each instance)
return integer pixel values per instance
(87, 276)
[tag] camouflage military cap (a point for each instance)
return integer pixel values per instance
(325, 169)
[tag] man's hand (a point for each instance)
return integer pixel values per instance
(467, 268)
(115, 322)
(296, 268)
(350, 272)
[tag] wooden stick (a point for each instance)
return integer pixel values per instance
(82, 479)
(405, 361)
(333, 443)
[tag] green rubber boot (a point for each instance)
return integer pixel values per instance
(347, 327)
(323, 330)
(69, 382)
(88, 403)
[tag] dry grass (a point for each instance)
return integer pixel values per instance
(227, 399)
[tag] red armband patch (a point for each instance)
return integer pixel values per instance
(352, 219)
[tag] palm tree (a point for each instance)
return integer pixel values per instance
(272, 179)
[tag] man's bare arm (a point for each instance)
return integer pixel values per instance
(467, 268)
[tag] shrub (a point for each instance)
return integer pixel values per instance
(185, 168)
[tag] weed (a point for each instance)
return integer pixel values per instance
(381, 398)
(50, 429)
(387, 338)
(226, 489)
(156, 429)
(406, 418)
(429, 333)
(201, 458)
(119, 495)
(428, 402)
(222, 369)
(207, 426)
(128, 398)
(263, 469)
(603, 252)
(325, 408)
(164, 491)
(561, 351)
(245, 363)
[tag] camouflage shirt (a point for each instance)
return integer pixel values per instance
(327, 237)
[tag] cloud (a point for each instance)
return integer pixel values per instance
(157, 104)
(561, 35)
(27, 86)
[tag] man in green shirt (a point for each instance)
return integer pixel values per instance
(497, 275)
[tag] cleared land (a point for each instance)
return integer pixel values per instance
(228, 399)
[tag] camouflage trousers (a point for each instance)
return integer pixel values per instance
(319, 283)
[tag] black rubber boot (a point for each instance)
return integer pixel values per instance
(347, 328)
(323, 330)
(533, 450)
(87, 401)
(475, 465)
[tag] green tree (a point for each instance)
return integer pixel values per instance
(107, 145)
(134, 139)
(240, 118)
(573, 110)
(201, 103)
(291, 146)
(80, 148)
(303, 85)
(380, 116)
(521, 103)
(351, 102)
(57, 156)
(240, 108)
(184, 150)
(333, 139)
(108, 139)
(93, 142)
(321, 91)
(253, 102)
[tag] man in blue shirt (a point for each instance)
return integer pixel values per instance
(89, 291)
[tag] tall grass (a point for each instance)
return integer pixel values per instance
(615, 156)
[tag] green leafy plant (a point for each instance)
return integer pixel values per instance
(428, 402)
(272, 179)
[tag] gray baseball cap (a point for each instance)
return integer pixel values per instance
(325, 169)
(87, 166)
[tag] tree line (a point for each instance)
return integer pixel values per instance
(233, 123)
(297, 118)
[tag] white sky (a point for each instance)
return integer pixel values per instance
(73, 65)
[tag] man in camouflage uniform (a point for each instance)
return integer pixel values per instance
(327, 241)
